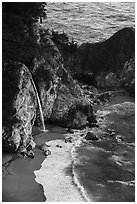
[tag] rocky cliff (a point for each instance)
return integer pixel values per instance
(62, 100)
(107, 56)
(19, 105)
(44, 75)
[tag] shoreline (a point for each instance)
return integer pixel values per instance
(53, 177)
(56, 174)
(19, 183)
(74, 175)
(27, 175)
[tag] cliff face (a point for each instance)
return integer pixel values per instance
(61, 98)
(45, 71)
(109, 55)
(19, 105)
(63, 102)
(106, 56)
(71, 108)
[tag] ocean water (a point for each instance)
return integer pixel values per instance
(90, 21)
(105, 169)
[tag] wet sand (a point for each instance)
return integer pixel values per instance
(21, 183)
(55, 174)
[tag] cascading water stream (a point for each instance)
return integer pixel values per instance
(40, 107)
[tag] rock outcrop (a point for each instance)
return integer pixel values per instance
(19, 105)
(118, 117)
(63, 101)
(90, 59)
(127, 77)
(71, 108)
(109, 55)
(91, 136)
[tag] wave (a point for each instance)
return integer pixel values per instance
(74, 173)
(106, 18)
(127, 183)
(75, 178)
(91, 185)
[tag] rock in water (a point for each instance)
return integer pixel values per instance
(68, 139)
(120, 138)
(19, 105)
(45, 149)
(70, 131)
(91, 136)
(30, 154)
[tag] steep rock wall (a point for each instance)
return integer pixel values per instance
(19, 105)
(62, 99)
(107, 56)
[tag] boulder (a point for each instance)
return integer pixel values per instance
(19, 105)
(71, 131)
(120, 138)
(91, 136)
(68, 140)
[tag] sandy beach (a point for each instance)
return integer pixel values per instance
(28, 178)
(55, 175)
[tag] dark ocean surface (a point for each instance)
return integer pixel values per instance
(106, 168)
(90, 21)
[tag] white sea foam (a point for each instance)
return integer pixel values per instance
(75, 179)
(127, 183)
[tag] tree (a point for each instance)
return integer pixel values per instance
(18, 22)
(26, 12)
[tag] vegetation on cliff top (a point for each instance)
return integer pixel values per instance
(18, 30)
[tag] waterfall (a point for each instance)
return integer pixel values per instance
(40, 107)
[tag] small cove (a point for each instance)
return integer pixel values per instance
(21, 185)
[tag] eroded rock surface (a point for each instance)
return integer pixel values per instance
(19, 106)
(63, 101)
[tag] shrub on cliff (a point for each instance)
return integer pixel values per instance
(127, 77)
(107, 56)
(18, 36)
(108, 81)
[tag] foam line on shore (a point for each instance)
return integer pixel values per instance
(74, 174)
(57, 185)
